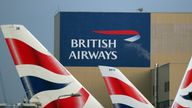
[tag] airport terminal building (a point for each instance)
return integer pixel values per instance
(171, 36)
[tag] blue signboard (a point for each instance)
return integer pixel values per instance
(113, 39)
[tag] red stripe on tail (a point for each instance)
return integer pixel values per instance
(188, 79)
(70, 102)
(176, 105)
(116, 86)
(22, 53)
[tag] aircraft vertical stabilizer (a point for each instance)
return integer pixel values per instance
(45, 80)
(122, 92)
(183, 98)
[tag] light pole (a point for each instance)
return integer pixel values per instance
(156, 85)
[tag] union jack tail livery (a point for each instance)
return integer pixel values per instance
(183, 98)
(122, 92)
(45, 80)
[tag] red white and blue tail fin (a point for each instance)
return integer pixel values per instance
(183, 98)
(122, 92)
(45, 80)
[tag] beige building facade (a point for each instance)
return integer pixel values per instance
(169, 77)
(171, 49)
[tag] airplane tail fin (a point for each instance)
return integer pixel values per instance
(183, 97)
(122, 92)
(45, 80)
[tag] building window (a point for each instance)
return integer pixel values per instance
(166, 86)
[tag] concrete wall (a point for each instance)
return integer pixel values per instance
(171, 37)
(177, 71)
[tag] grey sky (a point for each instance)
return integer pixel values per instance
(38, 16)
(11, 90)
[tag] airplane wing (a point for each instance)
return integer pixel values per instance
(45, 80)
(183, 98)
(122, 92)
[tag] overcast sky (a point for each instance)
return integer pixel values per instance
(38, 16)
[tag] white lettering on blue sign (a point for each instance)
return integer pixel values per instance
(93, 43)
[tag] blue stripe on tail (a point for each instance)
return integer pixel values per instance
(34, 85)
(118, 105)
(188, 96)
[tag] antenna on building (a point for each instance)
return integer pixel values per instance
(140, 9)
(57, 9)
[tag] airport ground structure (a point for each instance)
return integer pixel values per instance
(171, 36)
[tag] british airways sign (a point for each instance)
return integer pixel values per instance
(114, 39)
